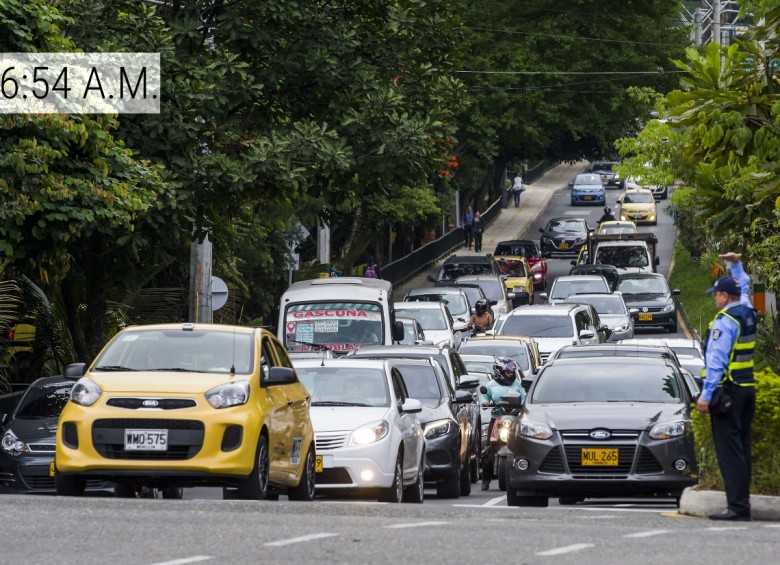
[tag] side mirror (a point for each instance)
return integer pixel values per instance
(430, 278)
(398, 330)
(543, 295)
(510, 295)
(463, 397)
(656, 261)
(411, 406)
(676, 291)
(586, 334)
(75, 370)
(468, 382)
(460, 326)
(483, 389)
(279, 376)
(492, 302)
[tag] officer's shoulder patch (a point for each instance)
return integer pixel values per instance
(716, 334)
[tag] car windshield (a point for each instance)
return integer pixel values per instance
(566, 226)
(604, 167)
(587, 179)
(455, 303)
(516, 351)
(44, 401)
(429, 318)
(473, 293)
(526, 250)
(512, 268)
(410, 333)
(622, 256)
(455, 270)
(617, 228)
(421, 381)
(493, 289)
(539, 325)
(205, 351)
(562, 289)
(479, 366)
(601, 382)
(607, 304)
(646, 285)
(343, 326)
(356, 386)
(638, 198)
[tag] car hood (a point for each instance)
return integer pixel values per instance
(552, 344)
(512, 282)
(438, 336)
(34, 431)
(646, 299)
(344, 418)
(587, 187)
(433, 410)
(610, 415)
(613, 320)
(160, 382)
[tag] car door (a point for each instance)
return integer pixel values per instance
(410, 427)
(456, 338)
(279, 417)
(460, 412)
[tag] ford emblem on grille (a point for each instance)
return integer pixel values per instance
(150, 403)
(600, 434)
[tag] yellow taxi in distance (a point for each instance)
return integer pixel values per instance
(616, 227)
(638, 205)
(177, 405)
(519, 278)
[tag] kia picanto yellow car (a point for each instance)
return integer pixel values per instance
(178, 405)
(519, 278)
(638, 205)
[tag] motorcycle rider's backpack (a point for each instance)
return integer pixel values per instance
(371, 272)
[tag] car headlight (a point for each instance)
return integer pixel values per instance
(438, 428)
(85, 392)
(228, 394)
(370, 433)
(669, 430)
(503, 434)
(536, 430)
(12, 445)
(622, 328)
(669, 307)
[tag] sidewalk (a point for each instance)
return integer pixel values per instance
(511, 222)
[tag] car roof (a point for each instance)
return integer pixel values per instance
(469, 259)
(549, 309)
(578, 278)
(669, 342)
(482, 339)
(635, 190)
(642, 276)
(449, 289)
(476, 357)
(397, 349)
(574, 297)
(467, 278)
(575, 361)
(418, 306)
(518, 242)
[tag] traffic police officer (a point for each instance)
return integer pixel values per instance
(731, 340)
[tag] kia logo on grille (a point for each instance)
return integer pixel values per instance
(600, 434)
(151, 403)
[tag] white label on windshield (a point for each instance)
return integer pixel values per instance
(304, 332)
(326, 326)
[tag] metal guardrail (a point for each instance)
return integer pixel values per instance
(538, 170)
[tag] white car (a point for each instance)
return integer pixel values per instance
(688, 351)
(565, 285)
(435, 319)
(366, 428)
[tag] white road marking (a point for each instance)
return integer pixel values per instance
(603, 509)
(417, 524)
(566, 549)
(182, 561)
(572, 213)
(648, 534)
(488, 507)
(494, 501)
(771, 525)
(360, 502)
(725, 528)
(300, 539)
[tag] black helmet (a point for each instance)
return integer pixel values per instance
(481, 306)
(607, 210)
(504, 371)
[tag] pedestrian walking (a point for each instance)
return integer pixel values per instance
(479, 228)
(468, 226)
(372, 269)
(728, 391)
(517, 188)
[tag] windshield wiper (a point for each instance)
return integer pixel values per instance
(175, 370)
(316, 346)
(113, 368)
(335, 403)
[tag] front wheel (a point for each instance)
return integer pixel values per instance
(305, 489)
(395, 492)
(449, 487)
(416, 493)
(501, 473)
(255, 486)
(69, 485)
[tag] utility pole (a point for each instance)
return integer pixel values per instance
(200, 282)
(716, 11)
(698, 18)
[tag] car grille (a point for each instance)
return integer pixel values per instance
(330, 441)
(585, 434)
(649, 309)
(162, 403)
(647, 464)
(185, 438)
(334, 476)
(553, 463)
(41, 447)
(37, 478)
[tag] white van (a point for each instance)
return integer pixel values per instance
(338, 314)
(629, 252)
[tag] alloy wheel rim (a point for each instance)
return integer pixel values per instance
(310, 474)
(262, 468)
(398, 482)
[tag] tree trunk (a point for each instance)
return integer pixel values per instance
(355, 245)
(71, 299)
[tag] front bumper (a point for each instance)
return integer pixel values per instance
(594, 198)
(645, 468)
(442, 457)
(353, 468)
(31, 473)
(655, 319)
(562, 248)
(640, 217)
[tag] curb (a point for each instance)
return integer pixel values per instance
(702, 503)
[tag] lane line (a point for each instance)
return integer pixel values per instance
(566, 549)
(494, 501)
(725, 528)
(640, 510)
(648, 534)
(182, 561)
(771, 526)
(300, 539)
(417, 524)
(486, 507)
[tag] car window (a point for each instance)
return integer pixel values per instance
(643, 285)
(353, 385)
(566, 226)
(638, 198)
(430, 319)
(514, 350)
(281, 354)
(539, 325)
(562, 289)
(493, 289)
(608, 304)
(596, 382)
(582, 320)
(266, 360)
(421, 381)
(399, 388)
(523, 250)
(455, 303)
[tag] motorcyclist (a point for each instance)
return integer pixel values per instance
(505, 379)
(608, 215)
(482, 316)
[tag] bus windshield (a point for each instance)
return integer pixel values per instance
(339, 326)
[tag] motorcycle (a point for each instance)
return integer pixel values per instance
(495, 451)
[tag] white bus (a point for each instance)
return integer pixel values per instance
(340, 314)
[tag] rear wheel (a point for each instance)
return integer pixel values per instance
(395, 492)
(416, 492)
(69, 485)
(305, 489)
(449, 487)
(255, 486)
(465, 479)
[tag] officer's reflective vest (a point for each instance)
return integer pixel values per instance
(740, 369)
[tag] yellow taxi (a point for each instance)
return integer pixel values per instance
(177, 405)
(518, 278)
(616, 227)
(638, 205)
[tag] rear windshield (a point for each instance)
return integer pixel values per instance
(524, 250)
(455, 303)
(563, 289)
(516, 351)
(430, 319)
(456, 270)
(540, 325)
(623, 256)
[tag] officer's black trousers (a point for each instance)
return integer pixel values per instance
(731, 434)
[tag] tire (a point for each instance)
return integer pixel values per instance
(569, 500)
(449, 487)
(533, 501)
(501, 471)
(395, 492)
(122, 490)
(465, 479)
(173, 493)
(474, 463)
(304, 491)
(69, 485)
(511, 497)
(415, 493)
(673, 328)
(255, 486)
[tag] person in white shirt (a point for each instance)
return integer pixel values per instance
(517, 188)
